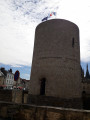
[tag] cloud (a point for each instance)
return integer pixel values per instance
(16, 39)
(17, 27)
(77, 11)
(23, 69)
(19, 18)
(34, 10)
(15, 43)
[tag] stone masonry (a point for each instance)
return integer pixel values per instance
(56, 60)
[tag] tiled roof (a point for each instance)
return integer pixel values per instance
(1, 74)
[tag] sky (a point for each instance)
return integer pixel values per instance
(18, 20)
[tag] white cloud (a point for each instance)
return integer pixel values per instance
(18, 19)
(16, 43)
(77, 11)
(16, 39)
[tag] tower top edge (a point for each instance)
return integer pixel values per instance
(55, 21)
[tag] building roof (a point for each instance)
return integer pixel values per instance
(1, 74)
(24, 80)
(5, 71)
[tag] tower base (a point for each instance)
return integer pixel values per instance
(54, 101)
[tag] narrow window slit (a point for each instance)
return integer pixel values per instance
(73, 42)
(42, 87)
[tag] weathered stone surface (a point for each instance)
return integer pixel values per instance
(31, 112)
(17, 96)
(55, 101)
(56, 59)
(6, 95)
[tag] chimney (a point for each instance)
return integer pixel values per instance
(10, 70)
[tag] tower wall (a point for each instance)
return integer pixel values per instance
(56, 58)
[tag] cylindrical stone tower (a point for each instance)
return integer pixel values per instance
(56, 60)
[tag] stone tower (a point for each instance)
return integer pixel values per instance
(55, 69)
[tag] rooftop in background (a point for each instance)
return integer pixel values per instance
(24, 70)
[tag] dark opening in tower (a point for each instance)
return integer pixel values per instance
(73, 42)
(42, 86)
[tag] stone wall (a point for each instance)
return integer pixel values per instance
(30, 112)
(86, 86)
(6, 95)
(54, 101)
(17, 96)
(56, 60)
